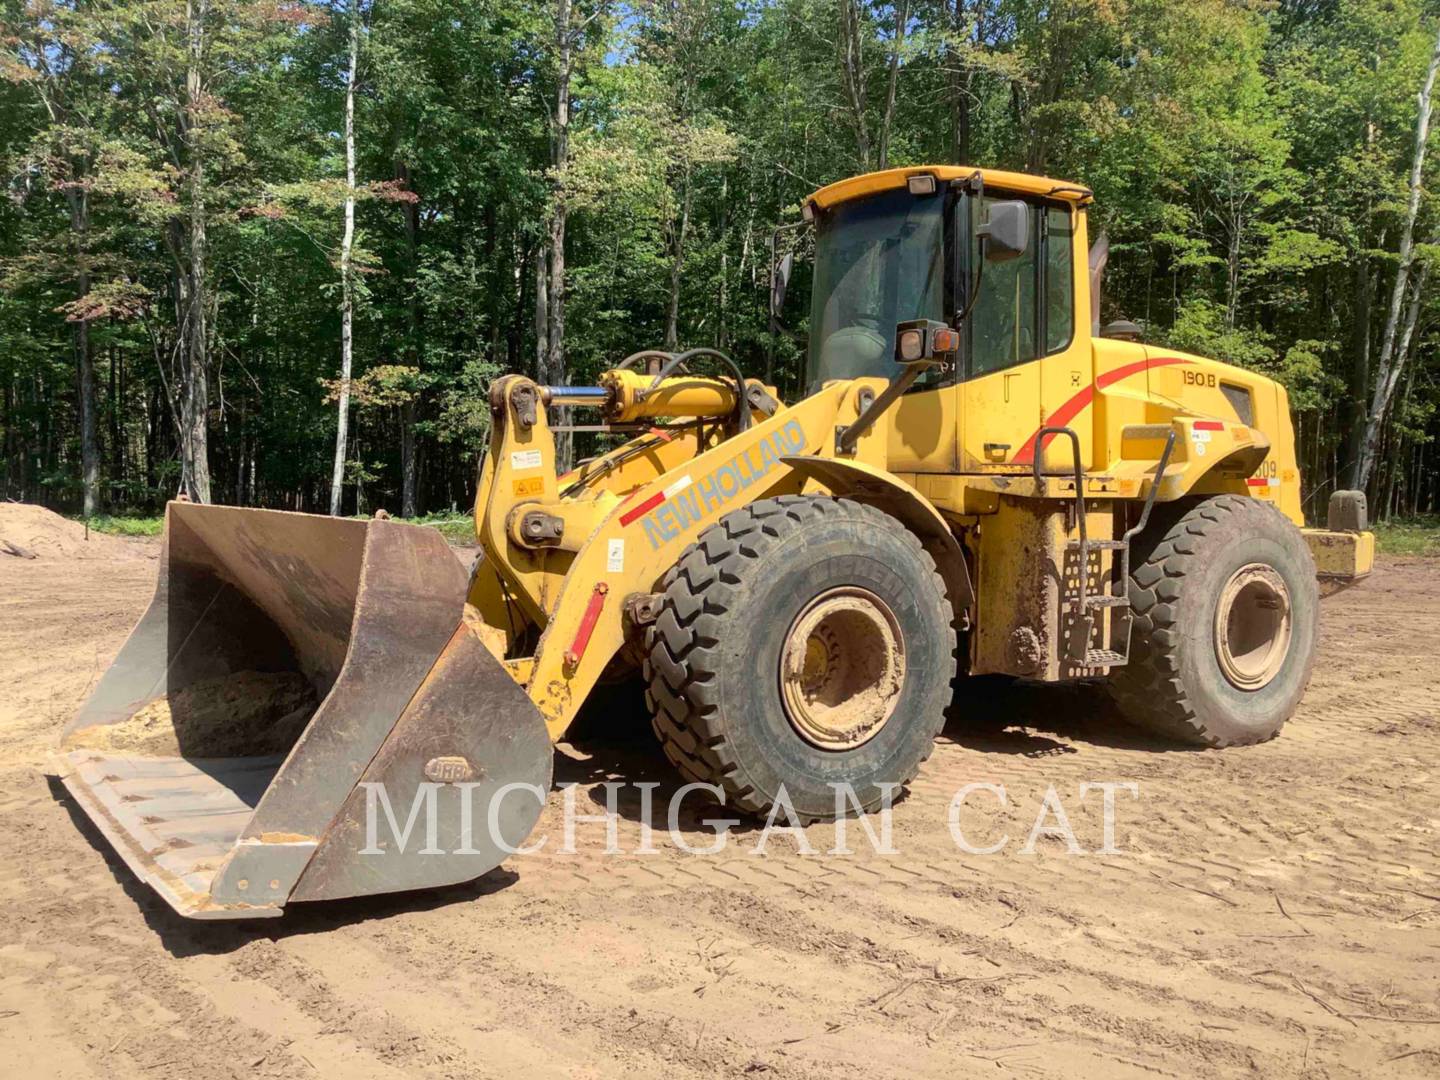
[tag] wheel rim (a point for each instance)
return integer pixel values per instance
(842, 668)
(1253, 626)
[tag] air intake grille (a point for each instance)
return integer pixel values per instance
(1241, 402)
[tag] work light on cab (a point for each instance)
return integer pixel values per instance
(925, 339)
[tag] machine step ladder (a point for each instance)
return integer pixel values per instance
(1082, 607)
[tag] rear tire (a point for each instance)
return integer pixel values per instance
(1226, 619)
(844, 599)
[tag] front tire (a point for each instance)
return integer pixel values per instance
(803, 642)
(1226, 617)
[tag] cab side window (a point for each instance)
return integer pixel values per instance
(1026, 307)
(1003, 323)
(1059, 279)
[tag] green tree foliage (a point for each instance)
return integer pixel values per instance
(170, 294)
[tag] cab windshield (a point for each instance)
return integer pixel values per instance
(878, 261)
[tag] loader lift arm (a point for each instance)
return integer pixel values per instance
(619, 538)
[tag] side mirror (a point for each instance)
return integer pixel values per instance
(779, 282)
(1007, 234)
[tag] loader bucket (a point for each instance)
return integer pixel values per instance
(303, 714)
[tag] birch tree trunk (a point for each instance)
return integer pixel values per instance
(1405, 349)
(195, 394)
(410, 409)
(1235, 226)
(1391, 361)
(552, 370)
(347, 285)
(852, 76)
(724, 297)
(677, 266)
(542, 310)
(961, 78)
(902, 18)
(84, 357)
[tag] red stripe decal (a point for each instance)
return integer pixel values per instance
(643, 509)
(1258, 481)
(1062, 416)
(1208, 425)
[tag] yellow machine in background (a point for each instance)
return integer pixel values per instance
(976, 481)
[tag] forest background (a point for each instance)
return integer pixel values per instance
(270, 253)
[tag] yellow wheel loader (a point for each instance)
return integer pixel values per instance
(977, 480)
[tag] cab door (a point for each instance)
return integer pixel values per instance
(1067, 363)
(1021, 357)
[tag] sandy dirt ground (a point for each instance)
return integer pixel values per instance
(1275, 910)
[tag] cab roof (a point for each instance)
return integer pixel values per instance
(1021, 183)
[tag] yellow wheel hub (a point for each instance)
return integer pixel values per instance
(1253, 626)
(842, 668)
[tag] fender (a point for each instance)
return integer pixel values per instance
(1210, 456)
(869, 485)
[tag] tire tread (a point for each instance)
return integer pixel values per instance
(700, 591)
(1149, 689)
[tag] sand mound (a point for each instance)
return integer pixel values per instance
(249, 713)
(46, 535)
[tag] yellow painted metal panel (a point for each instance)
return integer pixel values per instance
(924, 432)
(857, 187)
(1341, 556)
(997, 412)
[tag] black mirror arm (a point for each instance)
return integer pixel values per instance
(976, 187)
(974, 284)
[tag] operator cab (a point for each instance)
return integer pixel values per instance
(910, 244)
